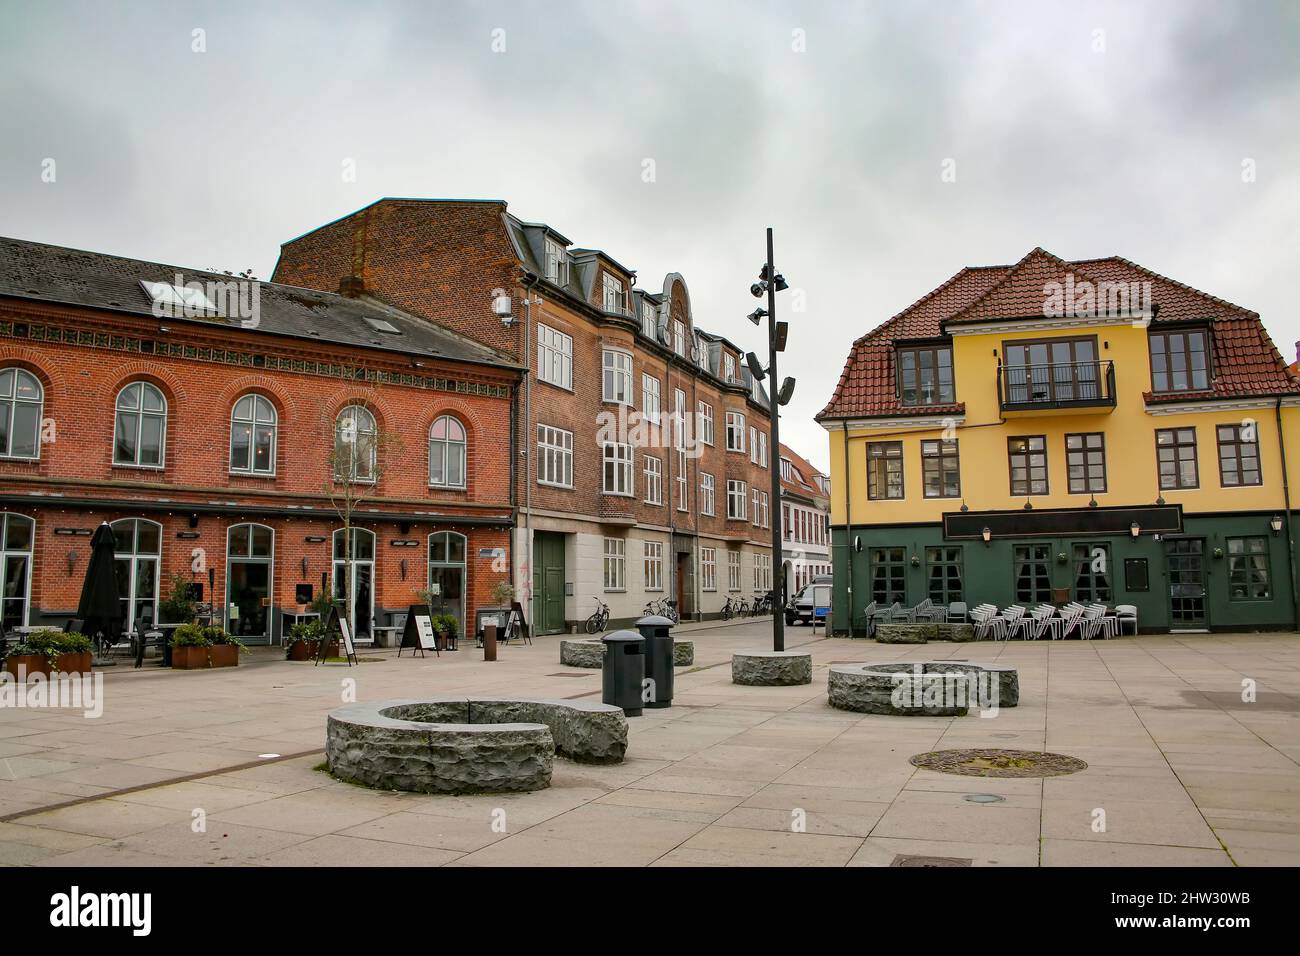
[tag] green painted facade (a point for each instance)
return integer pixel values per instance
(990, 573)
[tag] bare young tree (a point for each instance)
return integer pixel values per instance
(358, 458)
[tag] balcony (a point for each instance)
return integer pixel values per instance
(1056, 386)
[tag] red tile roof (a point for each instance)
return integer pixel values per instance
(1246, 363)
(804, 484)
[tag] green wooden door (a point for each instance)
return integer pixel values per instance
(548, 583)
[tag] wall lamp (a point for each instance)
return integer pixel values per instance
(987, 535)
(72, 561)
(1275, 523)
(1135, 529)
(304, 568)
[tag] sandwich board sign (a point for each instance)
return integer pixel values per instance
(821, 604)
(418, 634)
(336, 621)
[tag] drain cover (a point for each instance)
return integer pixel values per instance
(999, 763)
(568, 674)
(983, 798)
(902, 860)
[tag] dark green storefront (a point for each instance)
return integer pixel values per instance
(1218, 572)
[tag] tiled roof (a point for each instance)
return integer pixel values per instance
(803, 484)
(55, 274)
(1246, 363)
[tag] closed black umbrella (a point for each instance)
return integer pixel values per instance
(101, 606)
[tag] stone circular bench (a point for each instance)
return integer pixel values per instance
(592, 653)
(771, 668)
(906, 689)
(468, 744)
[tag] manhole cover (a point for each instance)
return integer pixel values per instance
(902, 860)
(999, 763)
(983, 798)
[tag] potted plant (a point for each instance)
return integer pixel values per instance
(503, 593)
(304, 640)
(47, 651)
(447, 628)
(178, 606)
(195, 646)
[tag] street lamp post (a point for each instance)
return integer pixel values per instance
(772, 282)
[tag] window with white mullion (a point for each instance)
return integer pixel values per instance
(654, 480)
(554, 357)
(554, 456)
(617, 471)
(617, 379)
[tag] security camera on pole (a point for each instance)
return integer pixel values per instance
(772, 282)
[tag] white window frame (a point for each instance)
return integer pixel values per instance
(253, 423)
(682, 477)
(615, 564)
(616, 376)
(450, 446)
(708, 495)
(557, 262)
(614, 297)
(14, 400)
(649, 319)
(755, 512)
(139, 413)
(708, 569)
(753, 445)
(705, 411)
(653, 565)
(554, 456)
(679, 337)
(737, 491)
(654, 480)
(554, 357)
(733, 570)
(651, 404)
(618, 455)
(736, 430)
(729, 367)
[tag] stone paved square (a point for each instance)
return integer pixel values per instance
(1185, 772)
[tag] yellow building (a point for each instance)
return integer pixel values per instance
(1052, 431)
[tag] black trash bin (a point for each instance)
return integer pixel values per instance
(658, 634)
(623, 671)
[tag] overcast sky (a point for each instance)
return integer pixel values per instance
(1087, 128)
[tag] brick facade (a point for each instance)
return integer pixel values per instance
(444, 261)
(196, 495)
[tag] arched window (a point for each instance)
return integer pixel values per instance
(447, 453)
(138, 551)
(21, 404)
(252, 436)
(355, 438)
(16, 534)
(141, 427)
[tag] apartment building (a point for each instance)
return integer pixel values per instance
(643, 458)
(209, 439)
(1063, 430)
(805, 520)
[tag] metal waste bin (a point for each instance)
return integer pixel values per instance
(623, 671)
(658, 634)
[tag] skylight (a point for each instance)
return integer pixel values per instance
(178, 300)
(382, 325)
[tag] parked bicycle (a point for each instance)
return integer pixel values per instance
(599, 618)
(663, 608)
(729, 610)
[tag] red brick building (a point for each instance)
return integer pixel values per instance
(606, 512)
(208, 441)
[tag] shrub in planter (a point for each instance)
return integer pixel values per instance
(304, 641)
(195, 646)
(178, 605)
(46, 651)
(447, 629)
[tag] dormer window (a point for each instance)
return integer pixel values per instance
(925, 375)
(615, 299)
(728, 367)
(1180, 360)
(679, 337)
(648, 319)
(557, 263)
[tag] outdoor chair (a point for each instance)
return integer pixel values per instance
(1090, 624)
(867, 613)
(1126, 614)
(1036, 623)
(988, 623)
(1109, 623)
(957, 612)
(1071, 615)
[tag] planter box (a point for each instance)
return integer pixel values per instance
(29, 663)
(195, 658)
(73, 663)
(303, 650)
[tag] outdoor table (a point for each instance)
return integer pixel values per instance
(388, 635)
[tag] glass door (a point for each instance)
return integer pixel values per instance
(447, 574)
(138, 550)
(15, 569)
(249, 550)
(1185, 561)
(361, 587)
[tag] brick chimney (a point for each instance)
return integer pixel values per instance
(352, 287)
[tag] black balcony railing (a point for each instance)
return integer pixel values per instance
(1057, 385)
